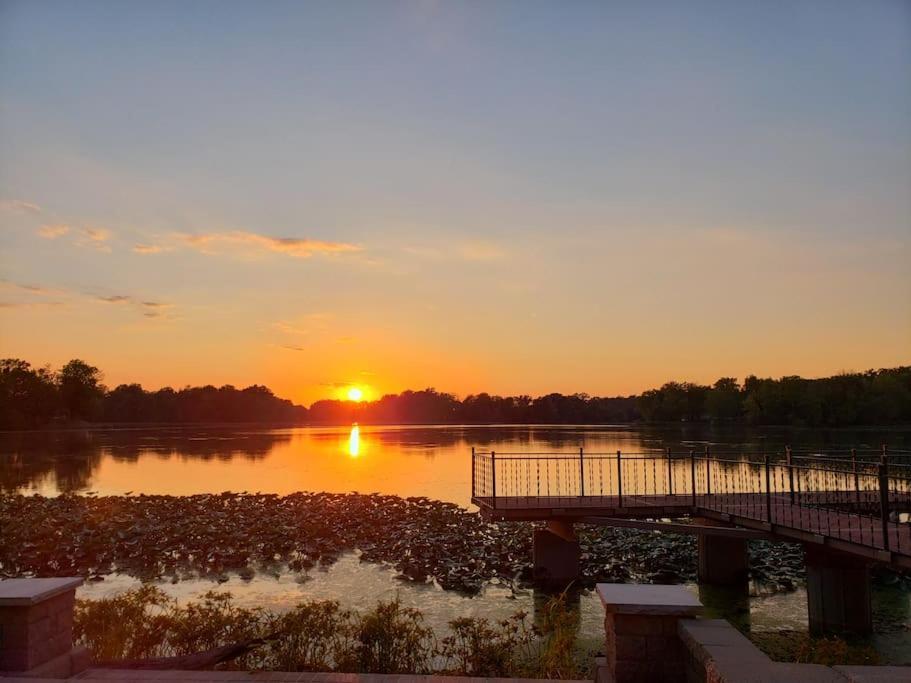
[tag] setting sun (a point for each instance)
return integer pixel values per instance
(355, 394)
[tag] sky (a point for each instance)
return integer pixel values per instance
(512, 197)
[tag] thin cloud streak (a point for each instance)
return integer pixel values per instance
(19, 206)
(52, 232)
(292, 246)
(149, 249)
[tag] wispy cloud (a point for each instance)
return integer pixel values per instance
(149, 249)
(11, 305)
(39, 290)
(19, 206)
(306, 324)
(289, 347)
(208, 243)
(52, 232)
(96, 238)
(149, 309)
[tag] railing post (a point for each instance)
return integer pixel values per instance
(619, 479)
(708, 472)
(790, 460)
(670, 473)
(581, 473)
(472, 473)
(693, 475)
(493, 476)
(856, 477)
(768, 490)
(883, 471)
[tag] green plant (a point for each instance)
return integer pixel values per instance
(321, 636)
(311, 637)
(560, 628)
(389, 639)
(132, 625)
(478, 648)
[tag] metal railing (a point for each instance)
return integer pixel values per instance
(858, 497)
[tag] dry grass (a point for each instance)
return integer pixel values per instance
(321, 636)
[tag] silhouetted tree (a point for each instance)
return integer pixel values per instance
(81, 390)
(724, 400)
(28, 397)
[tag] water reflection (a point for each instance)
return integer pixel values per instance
(430, 461)
(354, 442)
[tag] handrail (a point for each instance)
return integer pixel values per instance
(816, 493)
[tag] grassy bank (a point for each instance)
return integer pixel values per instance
(321, 636)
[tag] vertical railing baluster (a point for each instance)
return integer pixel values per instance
(693, 476)
(768, 491)
(493, 476)
(790, 459)
(472, 473)
(883, 471)
(581, 473)
(670, 473)
(619, 479)
(856, 478)
(708, 473)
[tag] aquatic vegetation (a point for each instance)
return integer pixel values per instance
(320, 636)
(156, 537)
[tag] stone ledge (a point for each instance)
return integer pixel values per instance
(716, 639)
(655, 600)
(27, 592)
(875, 674)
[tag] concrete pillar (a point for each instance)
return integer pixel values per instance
(642, 641)
(838, 592)
(723, 560)
(556, 554)
(36, 628)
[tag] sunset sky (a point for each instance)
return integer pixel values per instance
(477, 196)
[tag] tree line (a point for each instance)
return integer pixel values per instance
(36, 397)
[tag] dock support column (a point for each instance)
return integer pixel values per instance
(838, 592)
(723, 561)
(556, 554)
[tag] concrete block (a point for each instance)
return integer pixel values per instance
(637, 624)
(648, 599)
(631, 648)
(875, 674)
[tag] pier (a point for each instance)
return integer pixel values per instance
(849, 510)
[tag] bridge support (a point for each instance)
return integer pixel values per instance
(838, 592)
(556, 554)
(723, 561)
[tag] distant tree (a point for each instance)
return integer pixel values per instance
(81, 390)
(28, 396)
(724, 400)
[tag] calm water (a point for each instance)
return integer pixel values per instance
(401, 460)
(406, 461)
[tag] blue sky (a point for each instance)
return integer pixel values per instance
(504, 196)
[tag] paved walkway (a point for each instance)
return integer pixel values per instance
(139, 676)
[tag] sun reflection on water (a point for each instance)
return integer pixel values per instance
(354, 441)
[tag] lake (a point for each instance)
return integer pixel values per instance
(431, 461)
